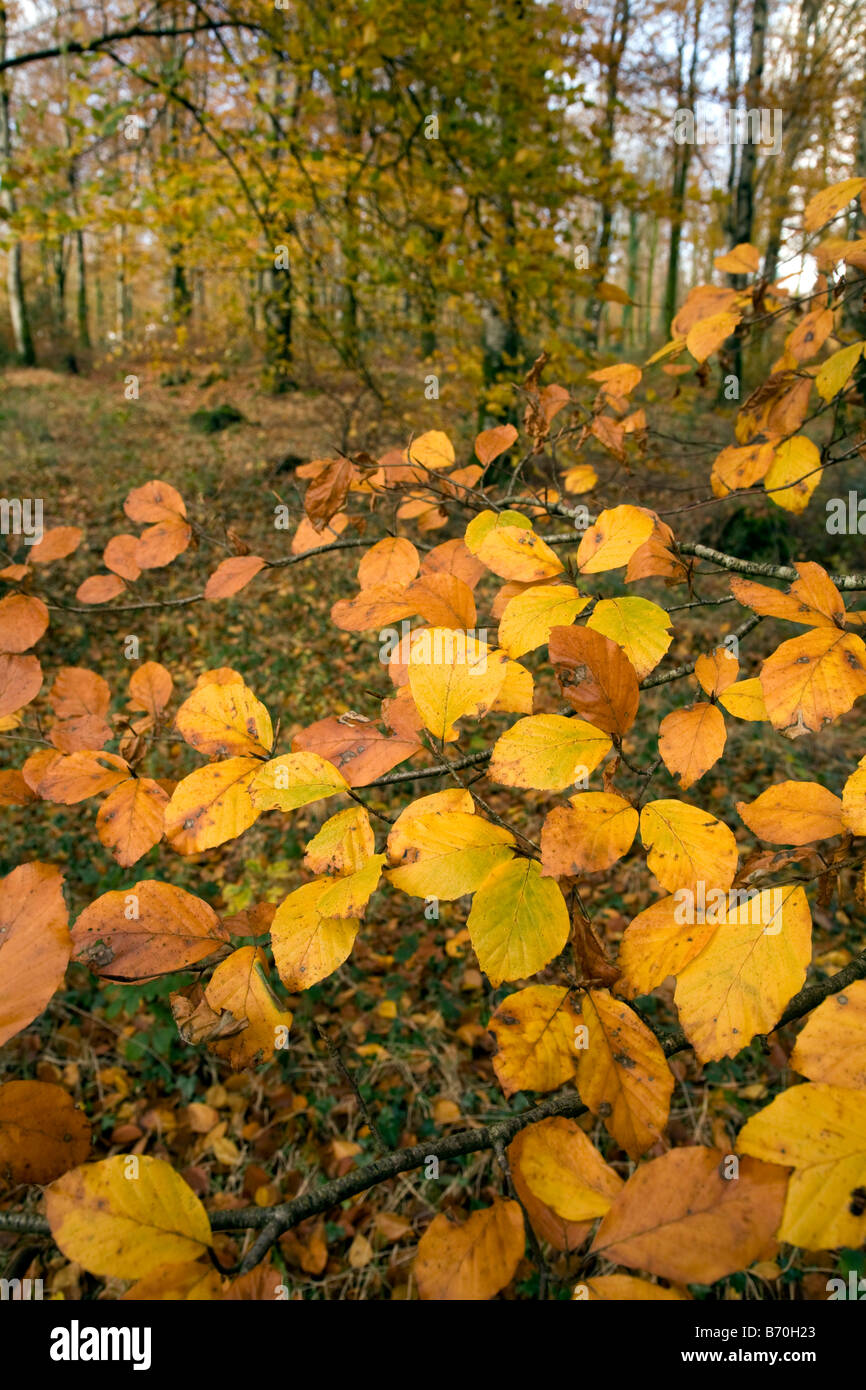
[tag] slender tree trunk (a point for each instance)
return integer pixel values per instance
(855, 311)
(628, 333)
(616, 50)
(743, 208)
(648, 319)
(120, 298)
(23, 339)
(682, 160)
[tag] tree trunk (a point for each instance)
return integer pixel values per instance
(616, 51)
(682, 159)
(24, 349)
(277, 311)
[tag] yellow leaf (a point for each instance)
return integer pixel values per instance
(452, 799)
(751, 967)
(834, 374)
(623, 1073)
(794, 474)
(659, 942)
(820, 1132)
(125, 1216)
(431, 450)
(447, 854)
(518, 921)
(194, 1281)
(481, 525)
(582, 477)
(686, 845)
(563, 1169)
(709, 334)
(529, 616)
(547, 752)
(588, 836)
(471, 1261)
(211, 805)
(793, 813)
(854, 800)
(452, 675)
(534, 1033)
(639, 627)
(810, 680)
(745, 700)
(348, 896)
(226, 721)
(743, 259)
(681, 1218)
(343, 845)
(240, 984)
(829, 201)
(294, 779)
(832, 1046)
(611, 542)
(308, 946)
(515, 552)
(516, 692)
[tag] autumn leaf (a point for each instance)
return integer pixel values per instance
(131, 819)
(534, 1032)
(753, 964)
(150, 929)
(309, 945)
(473, 1260)
(518, 921)
(125, 1216)
(293, 780)
(830, 201)
(638, 626)
(563, 1169)
(613, 539)
(448, 853)
(547, 752)
(451, 676)
(686, 845)
(832, 1046)
(34, 944)
(42, 1132)
(820, 1132)
(691, 741)
(623, 1074)
(232, 575)
(811, 680)
(240, 985)
(225, 721)
(679, 1217)
(529, 617)
(793, 813)
(212, 805)
(597, 678)
(589, 835)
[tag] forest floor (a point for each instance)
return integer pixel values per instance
(411, 1003)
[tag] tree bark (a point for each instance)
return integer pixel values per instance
(24, 349)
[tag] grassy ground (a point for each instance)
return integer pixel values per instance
(411, 1004)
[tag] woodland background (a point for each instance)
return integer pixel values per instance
(240, 237)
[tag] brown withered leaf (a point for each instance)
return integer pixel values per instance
(327, 492)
